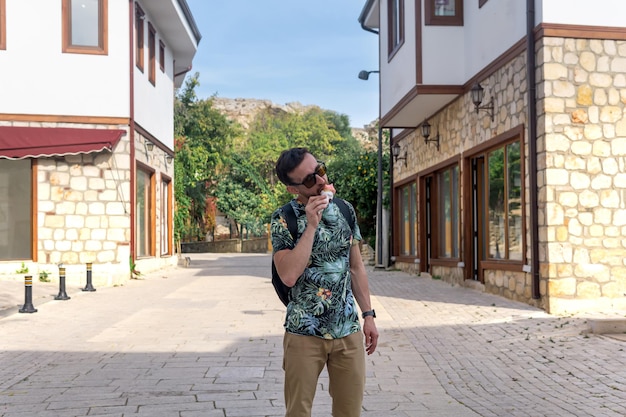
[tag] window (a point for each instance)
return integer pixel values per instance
(162, 56)
(3, 19)
(496, 220)
(144, 213)
(395, 13)
(166, 217)
(152, 54)
(139, 37)
(16, 211)
(504, 224)
(448, 222)
(441, 202)
(493, 223)
(408, 220)
(443, 12)
(85, 25)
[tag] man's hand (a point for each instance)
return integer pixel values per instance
(314, 208)
(371, 335)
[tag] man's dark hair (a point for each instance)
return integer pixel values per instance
(288, 160)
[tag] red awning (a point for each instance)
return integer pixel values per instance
(35, 142)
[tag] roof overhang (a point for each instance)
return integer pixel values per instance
(419, 104)
(35, 142)
(177, 26)
(370, 15)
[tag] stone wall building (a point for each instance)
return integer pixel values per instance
(582, 97)
(87, 146)
(520, 192)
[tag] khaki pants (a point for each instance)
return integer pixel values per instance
(303, 361)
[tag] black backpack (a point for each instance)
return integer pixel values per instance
(290, 217)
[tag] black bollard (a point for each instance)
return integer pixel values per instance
(89, 286)
(62, 294)
(28, 296)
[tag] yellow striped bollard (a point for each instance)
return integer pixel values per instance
(28, 296)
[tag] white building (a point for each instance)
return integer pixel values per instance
(87, 133)
(520, 192)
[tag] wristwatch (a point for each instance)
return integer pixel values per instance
(369, 313)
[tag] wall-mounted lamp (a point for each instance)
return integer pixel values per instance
(364, 75)
(168, 158)
(396, 153)
(477, 92)
(426, 134)
(149, 146)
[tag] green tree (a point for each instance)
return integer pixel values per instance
(340, 123)
(328, 136)
(203, 143)
(271, 132)
(355, 178)
(267, 137)
(245, 197)
(217, 162)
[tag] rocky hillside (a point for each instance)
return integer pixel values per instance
(243, 111)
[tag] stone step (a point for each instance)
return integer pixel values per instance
(608, 326)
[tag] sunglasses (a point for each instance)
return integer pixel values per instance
(311, 179)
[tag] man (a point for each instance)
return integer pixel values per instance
(325, 269)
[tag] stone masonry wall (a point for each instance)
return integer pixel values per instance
(582, 93)
(84, 214)
(83, 205)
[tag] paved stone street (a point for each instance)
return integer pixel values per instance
(207, 341)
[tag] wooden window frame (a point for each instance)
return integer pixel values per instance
(506, 185)
(139, 36)
(166, 214)
(430, 19)
(486, 263)
(432, 258)
(3, 25)
(33, 233)
(34, 209)
(151, 212)
(395, 27)
(161, 55)
(103, 31)
(398, 219)
(439, 219)
(407, 227)
(151, 54)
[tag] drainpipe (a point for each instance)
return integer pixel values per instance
(368, 29)
(391, 199)
(532, 145)
(379, 200)
(131, 124)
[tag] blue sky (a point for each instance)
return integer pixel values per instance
(288, 50)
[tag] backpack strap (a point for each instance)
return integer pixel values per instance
(292, 225)
(290, 218)
(345, 210)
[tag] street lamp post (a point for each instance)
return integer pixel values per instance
(364, 75)
(379, 202)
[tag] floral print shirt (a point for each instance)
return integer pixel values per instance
(321, 302)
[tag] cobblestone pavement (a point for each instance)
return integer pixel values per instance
(207, 341)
